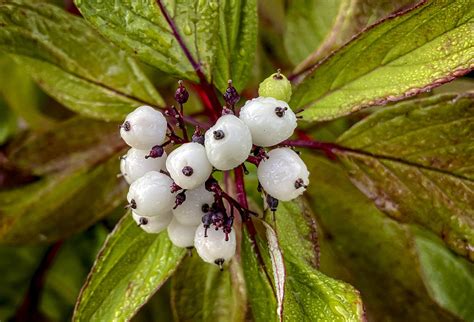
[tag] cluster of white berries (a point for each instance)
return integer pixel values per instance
(177, 192)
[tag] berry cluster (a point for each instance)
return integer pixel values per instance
(178, 192)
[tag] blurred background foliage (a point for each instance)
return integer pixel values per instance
(60, 197)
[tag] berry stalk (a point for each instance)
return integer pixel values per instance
(204, 84)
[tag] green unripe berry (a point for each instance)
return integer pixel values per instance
(276, 86)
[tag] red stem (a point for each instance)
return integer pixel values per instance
(29, 309)
(240, 187)
(328, 148)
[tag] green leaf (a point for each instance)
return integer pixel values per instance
(450, 280)
(61, 52)
(22, 95)
(403, 55)
(75, 257)
(382, 257)
(259, 284)
(351, 17)
(435, 133)
(8, 122)
(308, 22)
(59, 290)
(131, 266)
(221, 36)
(309, 294)
(237, 44)
(60, 204)
(415, 161)
(15, 281)
(73, 144)
(200, 292)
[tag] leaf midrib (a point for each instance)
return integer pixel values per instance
(413, 131)
(332, 90)
(347, 151)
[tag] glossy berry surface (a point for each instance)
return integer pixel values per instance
(197, 203)
(283, 175)
(135, 165)
(228, 142)
(188, 165)
(144, 128)
(270, 121)
(153, 225)
(214, 247)
(151, 194)
(181, 235)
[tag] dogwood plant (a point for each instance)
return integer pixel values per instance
(277, 160)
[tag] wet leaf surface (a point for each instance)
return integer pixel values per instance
(401, 56)
(309, 294)
(402, 271)
(60, 52)
(220, 35)
(131, 266)
(349, 18)
(201, 292)
(414, 160)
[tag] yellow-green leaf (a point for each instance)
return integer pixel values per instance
(201, 292)
(71, 62)
(415, 161)
(405, 54)
(219, 36)
(394, 265)
(129, 269)
(351, 17)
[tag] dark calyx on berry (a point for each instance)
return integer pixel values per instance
(231, 96)
(188, 171)
(126, 126)
(272, 203)
(132, 204)
(181, 95)
(180, 199)
(205, 208)
(299, 183)
(174, 187)
(155, 152)
(220, 262)
(280, 111)
(278, 74)
(142, 221)
(218, 135)
(212, 185)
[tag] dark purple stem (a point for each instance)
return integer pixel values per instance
(206, 86)
(240, 187)
(29, 309)
(328, 148)
(242, 198)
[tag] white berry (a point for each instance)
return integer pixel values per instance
(134, 165)
(283, 175)
(144, 128)
(151, 194)
(270, 121)
(190, 212)
(228, 142)
(181, 235)
(188, 165)
(153, 225)
(214, 248)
